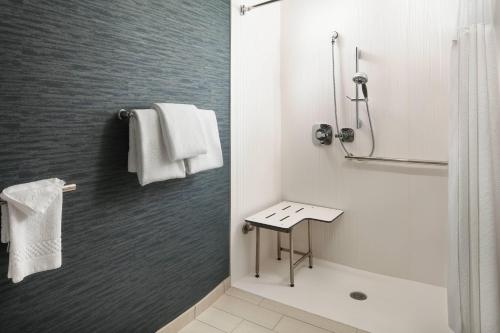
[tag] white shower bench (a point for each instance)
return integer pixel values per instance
(283, 217)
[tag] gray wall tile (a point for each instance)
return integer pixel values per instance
(133, 258)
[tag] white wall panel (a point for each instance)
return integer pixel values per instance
(255, 126)
(395, 221)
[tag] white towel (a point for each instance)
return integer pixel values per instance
(33, 219)
(182, 130)
(213, 158)
(147, 152)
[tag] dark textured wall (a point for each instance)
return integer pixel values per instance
(133, 258)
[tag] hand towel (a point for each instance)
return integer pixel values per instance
(33, 219)
(147, 152)
(213, 158)
(182, 130)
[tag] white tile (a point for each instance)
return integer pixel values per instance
(210, 299)
(426, 228)
(290, 325)
(178, 323)
(219, 319)
(307, 317)
(255, 125)
(244, 295)
(248, 311)
(199, 327)
(248, 327)
(379, 233)
(227, 284)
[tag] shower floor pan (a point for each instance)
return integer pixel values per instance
(392, 304)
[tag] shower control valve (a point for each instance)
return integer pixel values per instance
(322, 134)
(346, 135)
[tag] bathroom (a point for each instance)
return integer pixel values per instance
(364, 131)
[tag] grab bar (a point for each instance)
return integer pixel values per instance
(397, 160)
(66, 188)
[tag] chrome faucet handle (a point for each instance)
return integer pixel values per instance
(322, 134)
(345, 135)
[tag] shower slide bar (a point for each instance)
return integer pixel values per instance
(245, 9)
(397, 160)
(66, 188)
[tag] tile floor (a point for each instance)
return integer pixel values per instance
(238, 311)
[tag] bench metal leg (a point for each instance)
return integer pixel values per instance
(257, 251)
(310, 244)
(290, 250)
(291, 259)
(279, 245)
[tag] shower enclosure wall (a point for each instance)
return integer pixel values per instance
(256, 126)
(395, 221)
(396, 215)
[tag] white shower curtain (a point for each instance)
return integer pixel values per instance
(474, 178)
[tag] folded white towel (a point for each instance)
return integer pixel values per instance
(213, 158)
(147, 152)
(33, 219)
(182, 130)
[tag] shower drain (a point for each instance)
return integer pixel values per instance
(358, 296)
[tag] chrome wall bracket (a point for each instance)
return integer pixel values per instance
(124, 114)
(245, 9)
(322, 134)
(247, 227)
(355, 100)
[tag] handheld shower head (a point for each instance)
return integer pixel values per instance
(335, 35)
(362, 79)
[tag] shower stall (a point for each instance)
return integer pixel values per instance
(391, 180)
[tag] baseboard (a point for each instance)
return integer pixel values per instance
(180, 322)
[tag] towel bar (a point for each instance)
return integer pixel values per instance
(66, 188)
